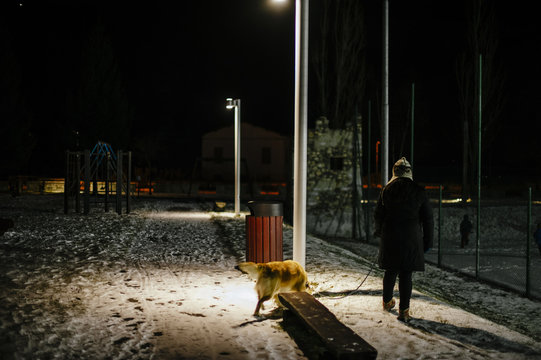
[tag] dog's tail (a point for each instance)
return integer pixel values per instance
(249, 268)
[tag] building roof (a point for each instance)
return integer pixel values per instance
(247, 131)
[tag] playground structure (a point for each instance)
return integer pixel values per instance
(98, 176)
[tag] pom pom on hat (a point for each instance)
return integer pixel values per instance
(402, 168)
(402, 163)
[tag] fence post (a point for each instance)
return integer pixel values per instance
(86, 200)
(369, 170)
(128, 184)
(107, 175)
(412, 122)
(67, 183)
(439, 229)
(477, 244)
(528, 259)
(77, 178)
(119, 183)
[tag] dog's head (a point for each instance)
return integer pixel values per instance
(249, 268)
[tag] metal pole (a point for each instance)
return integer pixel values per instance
(528, 256)
(301, 130)
(128, 184)
(412, 122)
(477, 245)
(107, 176)
(67, 183)
(439, 228)
(237, 157)
(354, 182)
(86, 200)
(95, 177)
(95, 183)
(355, 197)
(465, 181)
(369, 154)
(385, 97)
(119, 183)
(78, 182)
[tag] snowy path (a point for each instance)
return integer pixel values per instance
(503, 307)
(160, 284)
(150, 285)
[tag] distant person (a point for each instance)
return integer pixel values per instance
(405, 224)
(466, 228)
(537, 237)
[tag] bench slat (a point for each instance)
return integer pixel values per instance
(340, 340)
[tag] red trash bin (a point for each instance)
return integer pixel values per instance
(264, 232)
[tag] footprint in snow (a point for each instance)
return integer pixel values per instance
(121, 340)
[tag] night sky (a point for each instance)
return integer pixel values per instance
(173, 66)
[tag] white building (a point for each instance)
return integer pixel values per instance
(263, 155)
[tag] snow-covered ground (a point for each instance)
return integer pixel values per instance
(160, 284)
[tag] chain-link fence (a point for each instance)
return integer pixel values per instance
(502, 252)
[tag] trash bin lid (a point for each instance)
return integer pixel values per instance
(266, 208)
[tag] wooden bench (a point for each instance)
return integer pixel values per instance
(340, 341)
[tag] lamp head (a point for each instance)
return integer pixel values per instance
(229, 103)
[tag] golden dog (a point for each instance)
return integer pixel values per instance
(273, 278)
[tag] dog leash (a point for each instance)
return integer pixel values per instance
(358, 287)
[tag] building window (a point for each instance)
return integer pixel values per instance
(266, 155)
(337, 163)
(218, 154)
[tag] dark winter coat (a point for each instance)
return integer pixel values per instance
(405, 224)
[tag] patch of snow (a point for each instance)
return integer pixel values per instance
(160, 283)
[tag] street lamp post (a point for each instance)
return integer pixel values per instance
(301, 130)
(385, 96)
(235, 104)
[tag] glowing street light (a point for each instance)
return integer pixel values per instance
(235, 104)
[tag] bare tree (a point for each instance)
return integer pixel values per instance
(101, 110)
(339, 60)
(16, 138)
(482, 39)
